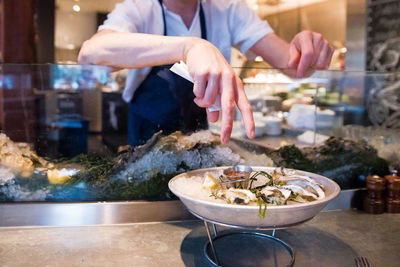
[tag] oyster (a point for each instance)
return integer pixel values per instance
(314, 189)
(310, 187)
(19, 157)
(305, 194)
(278, 188)
(275, 195)
(237, 196)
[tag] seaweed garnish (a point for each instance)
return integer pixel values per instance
(293, 197)
(262, 207)
(214, 195)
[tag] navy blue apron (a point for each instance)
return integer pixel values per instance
(164, 101)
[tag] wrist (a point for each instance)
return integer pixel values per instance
(189, 44)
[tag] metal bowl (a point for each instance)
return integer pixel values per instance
(236, 177)
(248, 215)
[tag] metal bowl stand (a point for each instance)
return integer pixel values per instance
(213, 259)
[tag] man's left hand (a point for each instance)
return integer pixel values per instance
(309, 50)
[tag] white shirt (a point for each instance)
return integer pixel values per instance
(176, 26)
(228, 23)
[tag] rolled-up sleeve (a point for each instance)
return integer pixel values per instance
(246, 27)
(124, 18)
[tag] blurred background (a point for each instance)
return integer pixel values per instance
(57, 28)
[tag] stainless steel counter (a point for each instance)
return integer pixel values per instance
(106, 213)
(332, 238)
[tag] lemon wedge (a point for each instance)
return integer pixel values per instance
(210, 182)
(56, 176)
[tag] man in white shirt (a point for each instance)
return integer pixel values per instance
(140, 34)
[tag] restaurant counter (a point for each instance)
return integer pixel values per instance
(332, 238)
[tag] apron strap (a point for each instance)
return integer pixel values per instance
(202, 21)
(163, 16)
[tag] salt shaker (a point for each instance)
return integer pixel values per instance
(392, 199)
(374, 202)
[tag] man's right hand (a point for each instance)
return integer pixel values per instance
(213, 75)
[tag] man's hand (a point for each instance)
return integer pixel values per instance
(309, 50)
(213, 75)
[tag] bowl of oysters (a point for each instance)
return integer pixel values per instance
(252, 196)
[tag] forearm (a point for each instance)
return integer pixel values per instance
(133, 50)
(273, 50)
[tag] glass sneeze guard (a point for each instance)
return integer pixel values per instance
(63, 133)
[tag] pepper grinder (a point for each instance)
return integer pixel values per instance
(392, 200)
(374, 202)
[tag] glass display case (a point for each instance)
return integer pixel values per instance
(63, 133)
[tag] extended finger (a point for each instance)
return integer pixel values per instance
(200, 83)
(245, 108)
(227, 106)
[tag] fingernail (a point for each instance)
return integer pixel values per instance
(252, 134)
